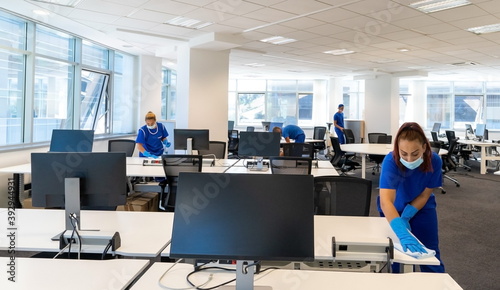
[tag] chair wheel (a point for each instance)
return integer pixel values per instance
(443, 191)
(458, 185)
(373, 173)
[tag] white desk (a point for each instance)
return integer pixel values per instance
(295, 279)
(143, 234)
(369, 231)
(369, 148)
(323, 168)
(362, 231)
(484, 155)
(34, 273)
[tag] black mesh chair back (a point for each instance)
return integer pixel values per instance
(250, 129)
(319, 134)
(122, 145)
(450, 135)
(387, 139)
(434, 136)
(349, 136)
(172, 166)
(373, 137)
(341, 159)
(233, 141)
(298, 149)
(291, 165)
(342, 195)
(216, 149)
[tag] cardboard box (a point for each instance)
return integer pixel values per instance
(147, 201)
(27, 203)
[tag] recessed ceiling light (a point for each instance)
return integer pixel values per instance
(485, 29)
(69, 3)
(41, 12)
(429, 6)
(188, 22)
(339, 51)
(403, 49)
(255, 64)
(278, 40)
(385, 60)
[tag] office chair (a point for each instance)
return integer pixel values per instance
(459, 151)
(232, 145)
(349, 136)
(250, 129)
(342, 195)
(378, 138)
(448, 162)
(290, 165)
(173, 165)
(216, 148)
(298, 149)
(122, 145)
(434, 136)
(340, 159)
(318, 134)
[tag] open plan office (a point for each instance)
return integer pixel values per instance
(228, 204)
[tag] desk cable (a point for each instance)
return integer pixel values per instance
(230, 166)
(74, 224)
(185, 288)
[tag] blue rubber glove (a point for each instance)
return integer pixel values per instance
(407, 240)
(166, 143)
(149, 155)
(407, 214)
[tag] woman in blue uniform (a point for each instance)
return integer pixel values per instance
(409, 175)
(151, 137)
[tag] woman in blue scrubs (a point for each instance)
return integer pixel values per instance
(409, 175)
(151, 137)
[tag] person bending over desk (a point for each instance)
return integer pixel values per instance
(409, 175)
(152, 137)
(291, 132)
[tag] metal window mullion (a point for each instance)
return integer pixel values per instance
(29, 84)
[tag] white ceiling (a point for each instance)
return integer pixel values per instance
(374, 29)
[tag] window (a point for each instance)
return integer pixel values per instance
(12, 80)
(94, 102)
(287, 101)
(439, 104)
(168, 94)
(123, 94)
(492, 112)
(95, 55)
(353, 99)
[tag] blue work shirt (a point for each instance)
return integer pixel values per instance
(151, 139)
(293, 132)
(409, 183)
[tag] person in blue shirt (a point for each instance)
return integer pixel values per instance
(151, 137)
(291, 132)
(409, 175)
(338, 122)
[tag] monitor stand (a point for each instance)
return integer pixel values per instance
(189, 146)
(258, 164)
(245, 278)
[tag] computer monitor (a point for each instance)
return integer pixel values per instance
(230, 125)
(101, 181)
(259, 144)
(265, 126)
(254, 217)
(480, 131)
(436, 127)
(71, 140)
(275, 124)
(191, 139)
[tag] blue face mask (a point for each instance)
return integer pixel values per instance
(412, 165)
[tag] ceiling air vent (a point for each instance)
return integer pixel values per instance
(465, 63)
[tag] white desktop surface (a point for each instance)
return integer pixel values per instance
(371, 148)
(323, 168)
(299, 279)
(371, 231)
(484, 155)
(143, 234)
(36, 273)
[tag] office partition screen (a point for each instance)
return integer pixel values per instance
(244, 217)
(71, 140)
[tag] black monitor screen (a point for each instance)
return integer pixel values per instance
(71, 140)
(262, 144)
(103, 180)
(480, 129)
(436, 127)
(275, 124)
(200, 138)
(244, 217)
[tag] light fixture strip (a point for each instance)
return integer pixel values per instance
(485, 29)
(429, 6)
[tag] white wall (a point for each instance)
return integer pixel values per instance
(150, 87)
(382, 105)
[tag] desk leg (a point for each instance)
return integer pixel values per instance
(483, 160)
(363, 165)
(18, 188)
